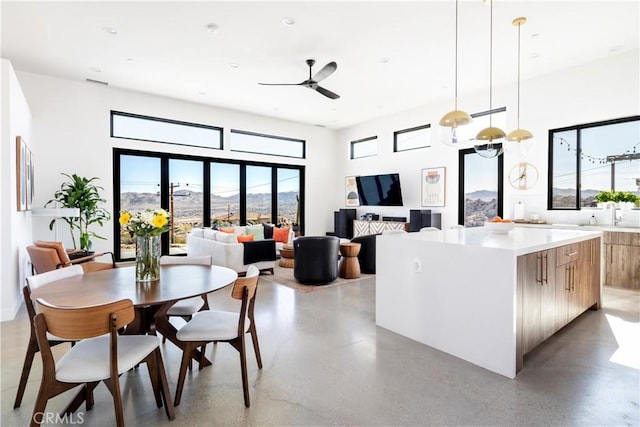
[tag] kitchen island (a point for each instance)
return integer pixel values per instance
(486, 298)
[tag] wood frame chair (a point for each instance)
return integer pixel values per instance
(101, 354)
(35, 282)
(46, 256)
(223, 326)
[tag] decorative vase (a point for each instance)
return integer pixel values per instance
(147, 258)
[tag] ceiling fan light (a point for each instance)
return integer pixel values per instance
(491, 134)
(519, 135)
(455, 119)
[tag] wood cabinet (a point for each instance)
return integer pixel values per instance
(556, 286)
(537, 282)
(362, 228)
(622, 259)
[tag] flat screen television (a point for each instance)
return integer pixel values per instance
(379, 190)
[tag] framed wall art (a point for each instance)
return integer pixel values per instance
(24, 175)
(351, 192)
(433, 187)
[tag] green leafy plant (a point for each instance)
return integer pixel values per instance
(622, 196)
(605, 196)
(81, 193)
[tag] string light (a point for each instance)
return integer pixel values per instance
(599, 160)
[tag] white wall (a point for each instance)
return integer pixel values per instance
(71, 125)
(15, 227)
(602, 90)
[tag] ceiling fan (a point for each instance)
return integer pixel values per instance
(312, 82)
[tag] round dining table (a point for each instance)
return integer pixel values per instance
(151, 300)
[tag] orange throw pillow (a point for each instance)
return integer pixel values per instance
(245, 238)
(281, 234)
(229, 230)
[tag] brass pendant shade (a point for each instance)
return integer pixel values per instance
(452, 122)
(492, 135)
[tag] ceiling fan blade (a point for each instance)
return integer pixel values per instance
(325, 71)
(327, 93)
(280, 84)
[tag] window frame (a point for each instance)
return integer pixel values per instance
(500, 184)
(578, 170)
(409, 130)
(206, 196)
(352, 145)
(276, 137)
(169, 121)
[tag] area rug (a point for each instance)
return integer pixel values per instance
(284, 277)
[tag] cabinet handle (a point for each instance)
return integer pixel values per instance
(610, 254)
(567, 275)
(573, 278)
(570, 254)
(591, 245)
(546, 268)
(539, 268)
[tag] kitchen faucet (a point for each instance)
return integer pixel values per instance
(614, 217)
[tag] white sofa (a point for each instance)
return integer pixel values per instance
(224, 249)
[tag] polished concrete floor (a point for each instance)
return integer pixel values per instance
(326, 363)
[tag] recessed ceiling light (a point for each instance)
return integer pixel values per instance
(131, 60)
(202, 93)
(384, 60)
(95, 69)
(534, 55)
(212, 28)
(110, 30)
(288, 21)
(535, 35)
(233, 65)
(615, 49)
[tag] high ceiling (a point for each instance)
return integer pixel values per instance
(391, 56)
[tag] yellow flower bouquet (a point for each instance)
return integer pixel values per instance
(147, 226)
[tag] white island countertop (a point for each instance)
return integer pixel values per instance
(520, 240)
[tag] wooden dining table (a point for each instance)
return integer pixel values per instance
(149, 298)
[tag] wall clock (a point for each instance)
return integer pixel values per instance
(523, 176)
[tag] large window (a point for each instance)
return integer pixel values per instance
(201, 191)
(587, 159)
(154, 129)
(480, 188)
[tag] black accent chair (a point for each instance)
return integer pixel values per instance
(367, 254)
(316, 259)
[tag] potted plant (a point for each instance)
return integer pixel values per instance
(81, 193)
(604, 197)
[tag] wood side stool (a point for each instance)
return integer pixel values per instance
(286, 257)
(349, 265)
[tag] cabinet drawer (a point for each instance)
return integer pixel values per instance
(567, 254)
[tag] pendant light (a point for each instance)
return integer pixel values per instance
(454, 126)
(491, 136)
(522, 138)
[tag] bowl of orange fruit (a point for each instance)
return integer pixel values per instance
(497, 225)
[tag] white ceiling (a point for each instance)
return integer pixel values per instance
(164, 48)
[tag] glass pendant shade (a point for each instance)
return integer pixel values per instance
(488, 150)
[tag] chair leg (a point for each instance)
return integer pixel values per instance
(32, 349)
(256, 347)
(186, 356)
(164, 385)
(153, 376)
(114, 387)
(245, 378)
(38, 409)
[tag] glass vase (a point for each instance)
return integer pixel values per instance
(147, 258)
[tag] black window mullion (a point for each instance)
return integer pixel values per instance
(274, 195)
(206, 193)
(116, 204)
(164, 198)
(243, 194)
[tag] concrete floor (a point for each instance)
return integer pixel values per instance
(326, 363)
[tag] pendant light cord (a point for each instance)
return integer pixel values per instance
(456, 63)
(490, 62)
(518, 115)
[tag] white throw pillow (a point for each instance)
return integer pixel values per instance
(210, 234)
(226, 238)
(197, 232)
(239, 229)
